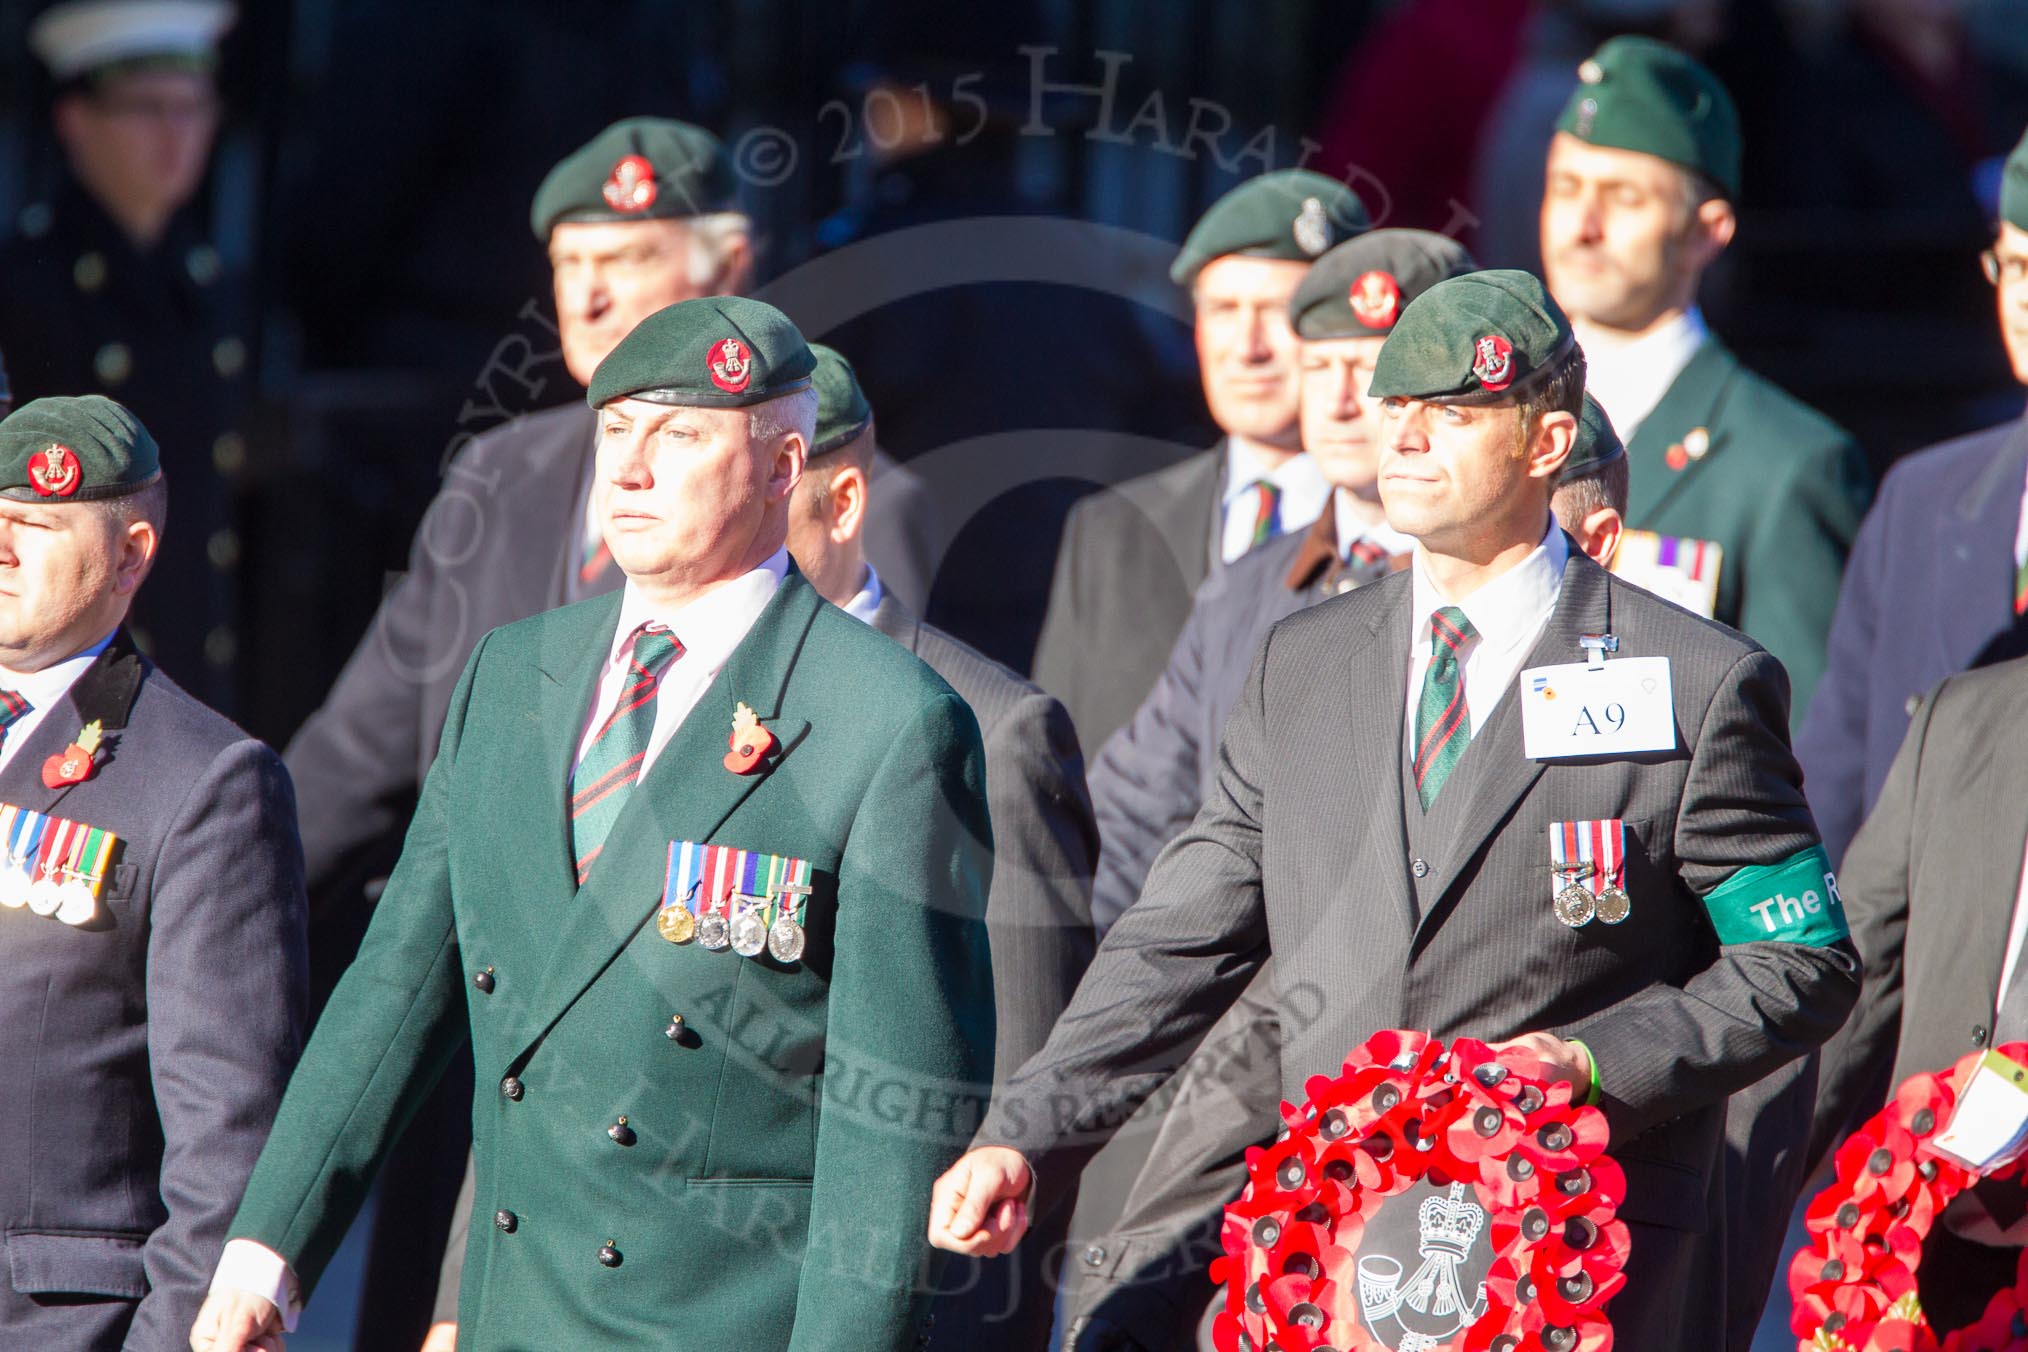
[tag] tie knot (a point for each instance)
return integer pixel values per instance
(654, 647)
(1449, 629)
(12, 707)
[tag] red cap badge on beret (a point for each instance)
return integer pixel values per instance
(1493, 362)
(731, 365)
(1376, 300)
(54, 471)
(631, 187)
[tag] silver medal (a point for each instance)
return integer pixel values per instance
(43, 898)
(77, 905)
(1614, 906)
(749, 935)
(13, 888)
(713, 932)
(1575, 906)
(785, 940)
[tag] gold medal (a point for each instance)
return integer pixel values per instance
(1575, 906)
(1614, 906)
(676, 924)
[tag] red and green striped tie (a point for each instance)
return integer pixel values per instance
(1267, 511)
(1443, 723)
(12, 708)
(611, 764)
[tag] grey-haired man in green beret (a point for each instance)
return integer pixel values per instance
(1384, 826)
(152, 985)
(700, 873)
(1132, 555)
(1754, 494)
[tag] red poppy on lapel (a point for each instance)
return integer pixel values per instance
(74, 764)
(750, 743)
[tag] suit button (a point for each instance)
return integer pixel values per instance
(505, 1221)
(1978, 1035)
(1910, 705)
(512, 1088)
(674, 1032)
(608, 1255)
(1419, 868)
(1094, 1254)
(484, 981)
(621, 1133)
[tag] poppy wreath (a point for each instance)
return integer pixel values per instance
(1405, 1110)
(1854, 1286)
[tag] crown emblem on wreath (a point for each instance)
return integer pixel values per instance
(1450, 1224)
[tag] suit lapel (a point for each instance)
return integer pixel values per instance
(1695, 399)
(559, 486)
(1503, 773)
(687, 794)
(1989, 846)
(1373, 706)
(1977, 556)
(1200, 512)
(898, 622)
(104, 693)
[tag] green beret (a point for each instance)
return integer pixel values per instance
(1640, 94)
(1597, 444)
(638, 169)
(1482, 338)
(1291, 213)
(75, 448)
(1357, 290)
(2014, 187)
(714, 352)
(842, 411)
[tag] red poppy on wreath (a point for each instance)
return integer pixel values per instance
(631, 185)
(1429, 1197)
(54, 471)
(1493, 362)
(1854, 1289)
(750, 742)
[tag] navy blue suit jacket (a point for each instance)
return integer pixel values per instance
(1928, 593)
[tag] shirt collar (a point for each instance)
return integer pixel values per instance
(867, 599)
(1351, 530)
(1629, 379)
(1509, 608)
(711, 626)
(44, 688)
(1297, 476)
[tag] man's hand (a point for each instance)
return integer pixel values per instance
(236, 1321)
(442, 1338)
(1561, 1060)
(980, 1205)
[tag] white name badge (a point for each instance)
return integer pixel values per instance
(1990, 1124)
(1610, 709)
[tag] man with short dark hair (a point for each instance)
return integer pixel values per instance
(1733, 481)
(1417, 906)
(152, 984)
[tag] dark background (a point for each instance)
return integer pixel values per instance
(378, 158)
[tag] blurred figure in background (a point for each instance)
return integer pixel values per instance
(112, 285)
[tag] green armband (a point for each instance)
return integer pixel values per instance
(1793, 902)
(1591, 1095)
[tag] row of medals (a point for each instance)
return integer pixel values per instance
(1577, 905)
(70, 901)
(745, 934)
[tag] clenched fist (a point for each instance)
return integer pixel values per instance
(980, 1205)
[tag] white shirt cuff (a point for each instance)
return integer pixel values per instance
(259, 1270)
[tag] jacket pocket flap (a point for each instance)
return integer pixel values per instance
(1664, 1193)
(91, 1265)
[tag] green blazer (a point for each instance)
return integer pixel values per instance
(1781, 487)
(770, 1184)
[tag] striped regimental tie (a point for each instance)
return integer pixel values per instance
(612, 762)
(12, 709)
(1443, 723)
(1267, 511)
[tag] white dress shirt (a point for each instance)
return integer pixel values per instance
(2021, 530)
(1509, 613)
(2017, 934)
(43, 690)
(1629, 378)
(1303, 486)
(1351, 529)
(709, 628)
(867, 599)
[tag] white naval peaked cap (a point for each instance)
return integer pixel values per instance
(79, 36)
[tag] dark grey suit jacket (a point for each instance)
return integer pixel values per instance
(1930, 883)
(498, 544)
(1467, 944)
(1131, 559)
(145, 1053)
